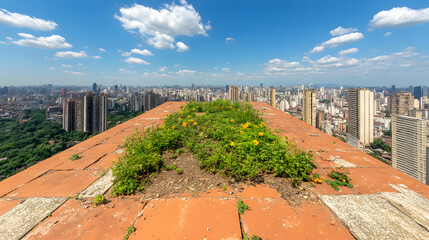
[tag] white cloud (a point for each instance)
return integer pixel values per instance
(379, 58)
(101, 49)
(25, 21)
(121, 70)
(348, 51)
(162, 69)
(96, 57)
(80, 64)
(52, 42)
(276, 65)
(347, 38)
(51, 68)
(400, 17)
(70, 54)
(317, 49)
(181, 47)
(229, 40)
(387, 34)
(341, 31)
(143, 52)
(136, 61)
(185, 71)
(66, 66)
(1, 42)
(183, 2)
(226, 69)
(406, 65)
(73, 73)
(159, 27)
(327, 60)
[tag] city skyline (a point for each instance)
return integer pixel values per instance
(148, 43)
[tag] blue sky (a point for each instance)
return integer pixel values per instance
(365, 43)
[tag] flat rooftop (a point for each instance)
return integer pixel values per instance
(40, 203)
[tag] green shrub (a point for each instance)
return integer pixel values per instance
(341, 178)
(99, 200)
(227, 138)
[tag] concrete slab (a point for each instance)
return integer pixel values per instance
(25, 216)
(76, 221)
(372, 217)
(411, 204)
(276, 219)
(57, 184)
(195, 218)
(6, 204)
(98, 187)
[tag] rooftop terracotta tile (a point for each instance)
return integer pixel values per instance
(107, 161)
(73, 221)
(275, 219)
(373, 180)
(19, 179)
(6, 204)
(195, 218)
(259, 191)
(57, 184)
(88, 156)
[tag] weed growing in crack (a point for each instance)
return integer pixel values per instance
(241, 206)
(130, 230)
(75, 156)
(341, 178)
(99, 200)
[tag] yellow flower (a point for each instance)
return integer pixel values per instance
(244, 127)
(163, 126)
(193, 109)
(195, 123)
(232, 144)
(232, 120)
(323, 177)
(180, 119)
(232, 127)
(241, 132)
(344, 180)
(260, 134)
(173, 126)
(263, 123)
(255, 142)
(189, 116)
(184, 124)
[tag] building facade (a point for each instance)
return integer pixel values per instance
(309, 107)
(410, 149)
(401, 103)
(361, 117)
(87, 114)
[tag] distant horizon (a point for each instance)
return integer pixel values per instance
(180, 42)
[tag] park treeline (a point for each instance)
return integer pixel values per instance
(24, 142)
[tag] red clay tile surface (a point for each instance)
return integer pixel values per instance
(214, 214)
(73, 221)
(7, 204)
(194, 218)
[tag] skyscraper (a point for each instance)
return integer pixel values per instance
(400, 103)
(94, 87)
(393, 90)
(309, 107)
(137, 102)
(233, 94)
(361, 117)
(88, 114)
(410, 148)
(420, 91)
(273, 97)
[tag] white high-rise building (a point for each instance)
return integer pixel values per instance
(410, 146)
(309, 107)
(361, 117)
